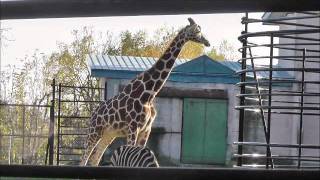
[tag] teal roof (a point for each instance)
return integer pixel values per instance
(202, 69)
(205, 65)
(126, 63)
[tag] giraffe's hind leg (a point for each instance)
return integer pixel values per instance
(91, 144)
(99, 149)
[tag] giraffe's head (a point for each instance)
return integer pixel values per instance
(193, 33)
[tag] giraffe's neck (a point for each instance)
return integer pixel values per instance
(161, 70)
(147, 85)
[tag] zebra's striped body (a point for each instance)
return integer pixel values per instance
(133, 156)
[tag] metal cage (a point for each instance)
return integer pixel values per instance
(279, 113)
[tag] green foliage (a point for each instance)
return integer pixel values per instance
(32, 84)
(225, 52)
(215, 55)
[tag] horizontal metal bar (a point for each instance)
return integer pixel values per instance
(307, 146)
(280, 158)
(279, 22)
(17, 9)
(264, 155)
(282, 46)
(296, 113)
(69, 160)
(280, 69)
(70, 154)
(73, 101)
(255, 166)
(74, 117)
(281, 18)
(21, 136)
(276, 81)
(276, 107)
(285, 91)
(279, 101)
(69, 147)
(283, 57)
(287, 112)
(298, 37)
(79, 87)
(69, 134)
(154, 173)
(275, 94)
(73, 127)
(277, 33)
(24, 105)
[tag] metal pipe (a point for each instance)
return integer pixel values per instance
(260, 104)
(51, 124)
(269, 103)
(59, 133)
(242, 91)
(301, 111)
(307, 146)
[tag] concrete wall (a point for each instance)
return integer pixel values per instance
(311, 124)
(167, 128)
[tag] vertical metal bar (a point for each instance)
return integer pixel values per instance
(260, 102)
(10, 146)
(51, 125)
(269, 103)
(59, 134)
(242, 90)
(23, 132)
(105, 90)
(301, 105)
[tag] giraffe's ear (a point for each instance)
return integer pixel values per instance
(191, 21)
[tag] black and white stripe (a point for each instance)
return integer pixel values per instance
(133, 156)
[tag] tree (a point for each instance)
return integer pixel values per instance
(139, 44)
(133, 44)
(215, 55)
(68, 65)
(226, 51)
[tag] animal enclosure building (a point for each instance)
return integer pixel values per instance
(196, 121)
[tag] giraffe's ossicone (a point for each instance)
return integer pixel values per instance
(131, 113)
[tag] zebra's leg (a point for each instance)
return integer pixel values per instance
(98, 151)
(91, 143)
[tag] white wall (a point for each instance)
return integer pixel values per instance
(311, 124)
(169, 116)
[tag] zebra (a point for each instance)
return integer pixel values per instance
(133, 156)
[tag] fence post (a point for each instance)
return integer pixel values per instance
(51, 125)
(23, 132)
(242, 91)
(59, 109)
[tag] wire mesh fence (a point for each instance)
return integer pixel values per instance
(24, 133)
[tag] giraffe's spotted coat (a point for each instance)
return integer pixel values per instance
(131, 113)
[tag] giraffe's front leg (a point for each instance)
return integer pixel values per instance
(132, 136)
(144, 135)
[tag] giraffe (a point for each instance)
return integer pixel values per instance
(131, 113)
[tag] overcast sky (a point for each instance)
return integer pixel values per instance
(27, 35)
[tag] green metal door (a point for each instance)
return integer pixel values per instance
(204, 131)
